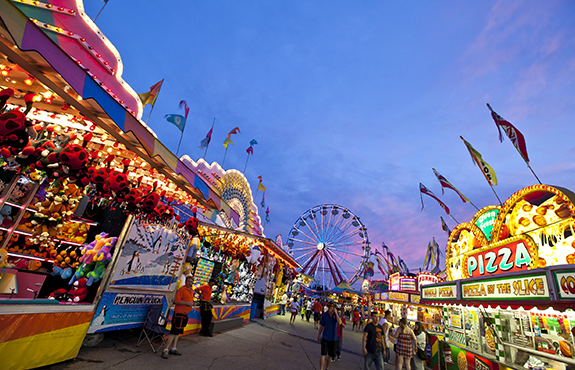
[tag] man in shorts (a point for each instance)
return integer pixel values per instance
(184, 302)
(328, 327)
(317, 310)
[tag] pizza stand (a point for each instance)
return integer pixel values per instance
(66, 76)
(509, 298)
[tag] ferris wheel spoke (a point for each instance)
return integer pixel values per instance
(306, 264)
(310, 229)
(348, 252)
(358, 242)
(332, 268)
(334, 228)
(304, 248)
(346, 261)
(313, 239)
(303, 241)
(305, 255)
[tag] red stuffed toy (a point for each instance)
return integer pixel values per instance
(79, 291)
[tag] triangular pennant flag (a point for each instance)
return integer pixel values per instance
(512, 133)
(235, 130)
(151, 96)
(250, 150)
(446, 184)
(263, 203)
(485, 168)
(268, 215)
(206, 141)
(227, 142)
(177, 119)
(424, 190)
(186, 108)
(444, 226)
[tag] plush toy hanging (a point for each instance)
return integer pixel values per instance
(15, 130)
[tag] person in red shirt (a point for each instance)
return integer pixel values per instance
(355, 319)
(184, 302)
(205, 292)
(317, 311)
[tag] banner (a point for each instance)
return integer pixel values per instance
(118, 311)
(522, 287)
(439, 292)
(151, 258)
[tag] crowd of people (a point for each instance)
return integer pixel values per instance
(380, 335)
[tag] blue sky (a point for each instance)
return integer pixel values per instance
(354, 102)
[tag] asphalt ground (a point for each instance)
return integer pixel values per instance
(260, 344)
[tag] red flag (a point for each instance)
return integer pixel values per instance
(446, 184)
(250, 150)
(186, 108)
(513, 134)
(234, 131)
(424, 190)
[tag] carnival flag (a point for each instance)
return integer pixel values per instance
(424, 190)
(151, 96)
(485, 168)
(253, 142)
(176, 119)
(263, 203)
(444, 226)
(227, 142)
(268, 215)
(206, 141)
(186, 108)
(261, 186)
(446, 184)
(235, 130)
(250, 150)
(513, 134)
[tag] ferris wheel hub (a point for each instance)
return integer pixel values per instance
(320, 246)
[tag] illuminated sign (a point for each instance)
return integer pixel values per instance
(414, 298)
(439, 292)
(379, 285)
(394, 281)
(425, 278)
(407, 283)
(486, 221)
(514, 256)
(520, 287)
(566, 284)
(396, 296)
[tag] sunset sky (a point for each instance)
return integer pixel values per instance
(354, 103)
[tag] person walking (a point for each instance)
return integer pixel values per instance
(303, 305)
(355, 319)
(308, 309)
(184, 302)
(385, 324)
(372, 344)
(294, 307)
(317, 310)
(404, 345)
(283, 302)
(421, 338)
(327, 335)
(339, 335)
(205, 292)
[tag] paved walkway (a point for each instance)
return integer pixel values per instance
(271, 344)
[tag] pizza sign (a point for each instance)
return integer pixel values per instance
(514, 256)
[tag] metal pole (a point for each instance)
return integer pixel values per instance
(496, 194)
(181, 136)
(105, 3)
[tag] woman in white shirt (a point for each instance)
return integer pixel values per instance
(421, 336)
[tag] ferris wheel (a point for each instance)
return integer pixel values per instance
(331, 245)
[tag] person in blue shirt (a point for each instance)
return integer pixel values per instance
(328, 327)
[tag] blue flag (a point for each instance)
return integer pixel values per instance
(177, 120)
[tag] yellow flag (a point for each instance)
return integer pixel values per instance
(261, 187)
(227, 142)
(151, 96)
(485, 168)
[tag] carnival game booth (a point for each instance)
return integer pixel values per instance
(88, 193)
(511, 296)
